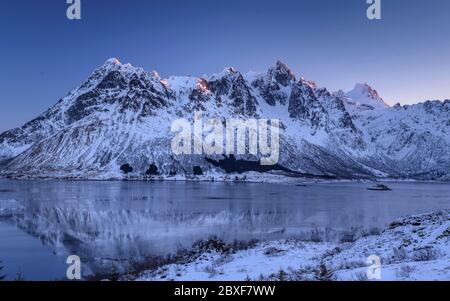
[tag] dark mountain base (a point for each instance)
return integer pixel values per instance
(232, 165)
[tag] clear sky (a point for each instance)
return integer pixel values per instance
(405, 56)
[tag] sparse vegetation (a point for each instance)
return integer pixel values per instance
(182, 255)
(126, 169)
(282, 275)
(324, 273)
(351, 264)
(198, 171)
(425, 254)
(211, 244)
(211, 271)
(304, 273)
(360, 276)
(405, 271)
(152, 170)
(272, 251)
(114, 275)
(224, 259)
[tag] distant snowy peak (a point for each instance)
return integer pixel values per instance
(282, 74)
(228, 72)
(365, 96)
(275, 86)
(113, 62)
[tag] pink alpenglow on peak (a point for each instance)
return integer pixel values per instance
(113, 61)
(365, 95)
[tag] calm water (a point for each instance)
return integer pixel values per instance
(109, 223)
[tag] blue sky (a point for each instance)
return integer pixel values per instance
(405, 56)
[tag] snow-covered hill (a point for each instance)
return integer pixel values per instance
(121, 116)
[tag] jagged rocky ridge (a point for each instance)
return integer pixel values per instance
(121, 115)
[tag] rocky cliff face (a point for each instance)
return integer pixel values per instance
(122, 115)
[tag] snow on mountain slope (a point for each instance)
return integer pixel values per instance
(414, 141)
(122, 115)
(364, 95)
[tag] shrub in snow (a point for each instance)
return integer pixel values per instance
(213, 244)
(152, 170)
(272, 251)
(317, 235)
(405, 271)
(324, 273)
(282, 275)
(198, 171)
(224, 259)
(351, 264)
(425, 254)
(243, 245)
(126, 168)
(211, 271)
(360, 276)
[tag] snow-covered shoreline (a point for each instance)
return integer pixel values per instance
(248, 177)
(412, 248)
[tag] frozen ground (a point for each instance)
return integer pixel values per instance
(413, 248)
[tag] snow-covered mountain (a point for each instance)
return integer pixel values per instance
(121, 116)
(365, 96)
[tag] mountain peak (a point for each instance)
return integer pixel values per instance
(364, 94)
(280, 65)
(365, 89)
(155, 74)
(112, 62)
(282, 73)
(225, 73)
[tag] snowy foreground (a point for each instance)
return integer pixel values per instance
(413, 248)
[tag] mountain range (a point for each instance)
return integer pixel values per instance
(117, 123)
